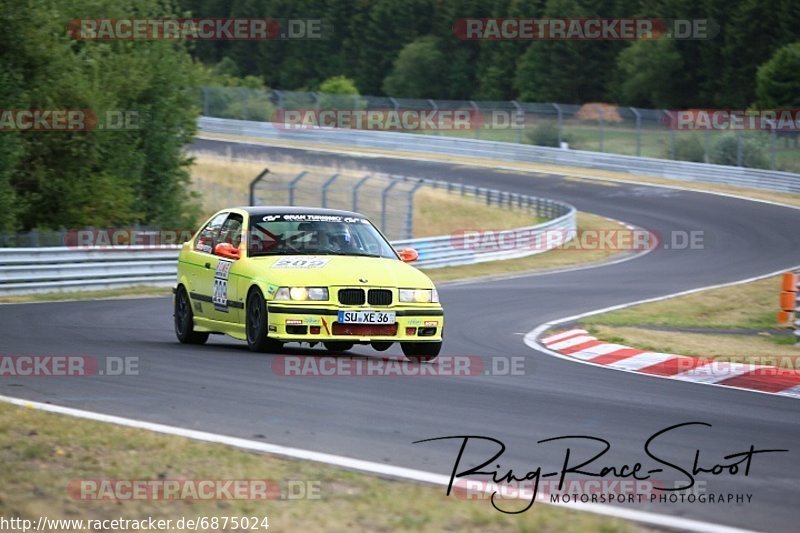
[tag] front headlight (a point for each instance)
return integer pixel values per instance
(302, 293)
(420, 296)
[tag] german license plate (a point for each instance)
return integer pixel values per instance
(366, 317)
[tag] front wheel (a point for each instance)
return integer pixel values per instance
(421, 352)
(184, 320)
(256, 324)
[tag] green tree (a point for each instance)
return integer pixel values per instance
(103, 176)
(417, 72)
(778, 80)
(339, 92)
(567, 71)
(648, 74)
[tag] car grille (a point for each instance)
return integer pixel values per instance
(362, 330)
(351, 296)
(379, 297)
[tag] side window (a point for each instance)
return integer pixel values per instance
(231, 230)
(207, 237)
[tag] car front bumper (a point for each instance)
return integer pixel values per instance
(302, 323)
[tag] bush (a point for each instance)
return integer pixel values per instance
(754, 151)
(688, 148)
(546, 134)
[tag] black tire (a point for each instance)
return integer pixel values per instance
(338, 346)
(184, 320)
(256, 324)
(421, 352)
(381, 346)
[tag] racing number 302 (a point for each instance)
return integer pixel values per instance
(220, 298)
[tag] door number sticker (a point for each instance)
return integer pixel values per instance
(220, 298)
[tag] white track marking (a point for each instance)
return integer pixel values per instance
(570, 342)
(642, 360)
(793, 392)
(714, 372)
(563, 335)
(365, 466)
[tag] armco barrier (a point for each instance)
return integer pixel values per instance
(416, 143)
(30, 270)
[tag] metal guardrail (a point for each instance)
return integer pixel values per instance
(418, 144)
(51, 269)
(593, 126)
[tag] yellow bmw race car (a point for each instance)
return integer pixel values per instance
(271, 275)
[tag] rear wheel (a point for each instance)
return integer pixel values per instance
(184, 320)
(338, 346)
(256, 324)
(421, 352)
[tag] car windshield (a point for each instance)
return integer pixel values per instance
(310, 234)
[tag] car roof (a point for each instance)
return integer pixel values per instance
(296, 210)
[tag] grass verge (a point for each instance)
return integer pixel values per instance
(126, 292)
(225, 183)
(578, 172)
(43, 452)
(554, 259)
(732, 321)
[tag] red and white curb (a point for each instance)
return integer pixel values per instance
(578, 344)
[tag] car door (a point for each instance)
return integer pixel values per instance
(225, 305)
(199, 262)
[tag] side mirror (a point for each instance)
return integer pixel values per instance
(408, 255)
(226, 249)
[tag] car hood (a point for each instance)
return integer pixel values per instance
(335, 270)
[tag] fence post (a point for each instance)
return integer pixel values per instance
(205, 101)
(480, 122)
(325, 186)
(519, 113)
(245, 99)
(738, 148)
(435, 112)
(772, 138)
(357, 186)
(560, 122)
(293, 184)
(384, 196)
(638, 131)
(602, 124)
(279, 97)
(410, 209)
(254, 183)
(706, 146)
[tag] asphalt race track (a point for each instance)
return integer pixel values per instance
(222, 387)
